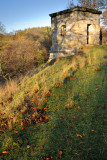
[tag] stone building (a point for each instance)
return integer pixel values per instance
(72, 29)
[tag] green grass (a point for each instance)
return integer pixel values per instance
(73, 92)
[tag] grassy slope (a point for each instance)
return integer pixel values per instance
(67, 102)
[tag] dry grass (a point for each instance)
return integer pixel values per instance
(89, 60)
(8, 90)
(36, 87)
(41, 80)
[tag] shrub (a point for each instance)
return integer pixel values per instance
(24, 51)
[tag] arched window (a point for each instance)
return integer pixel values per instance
(63, 30)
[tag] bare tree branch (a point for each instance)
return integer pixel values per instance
(70, 4)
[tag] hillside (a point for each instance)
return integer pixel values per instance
(23, 51)
(57, 111)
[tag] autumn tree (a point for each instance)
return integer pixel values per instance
(96, 4)
(104, 17)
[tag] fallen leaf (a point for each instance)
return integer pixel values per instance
(90, 149)
(16, 132)
(35, 108)
(85, 97)
(98, 69)
(41, 119)
(36, 90)
(59, 154)
(28, 146)
(73, 77)
(46, 117)
(21, 123)
(26, 92)
(49, 93)
(42, 147)
(57, 85)
(1, 103)
(33, 115)
(74, 117)
(23, 99)
(79, 135)
(79, 107)
(5, 152)
(92, 130)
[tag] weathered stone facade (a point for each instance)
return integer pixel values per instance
(73, 28)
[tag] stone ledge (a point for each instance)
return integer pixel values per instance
(83, 9)
(57, 55)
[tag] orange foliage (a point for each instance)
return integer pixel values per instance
(28, 49)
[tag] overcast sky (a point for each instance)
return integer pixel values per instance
(21, 14)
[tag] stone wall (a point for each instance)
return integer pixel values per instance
(72, 30)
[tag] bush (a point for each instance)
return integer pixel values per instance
(24, 51)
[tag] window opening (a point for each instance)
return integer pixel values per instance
(88, 32)
(100, 36)
(63, 30)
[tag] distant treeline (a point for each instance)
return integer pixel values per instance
(23, 51)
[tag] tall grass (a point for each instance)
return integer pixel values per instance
(8, 90)
(73, 82)
(13, 93)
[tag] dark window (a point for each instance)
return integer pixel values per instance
(100, 36)
(88, 33)
(63, 30)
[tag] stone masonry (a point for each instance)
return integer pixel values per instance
(72, 29)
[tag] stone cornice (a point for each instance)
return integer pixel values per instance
(82, 9)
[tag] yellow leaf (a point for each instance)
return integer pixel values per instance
(79, 135)
(28, 146)
(5, 152)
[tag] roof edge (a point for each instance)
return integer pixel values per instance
(83, 9)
